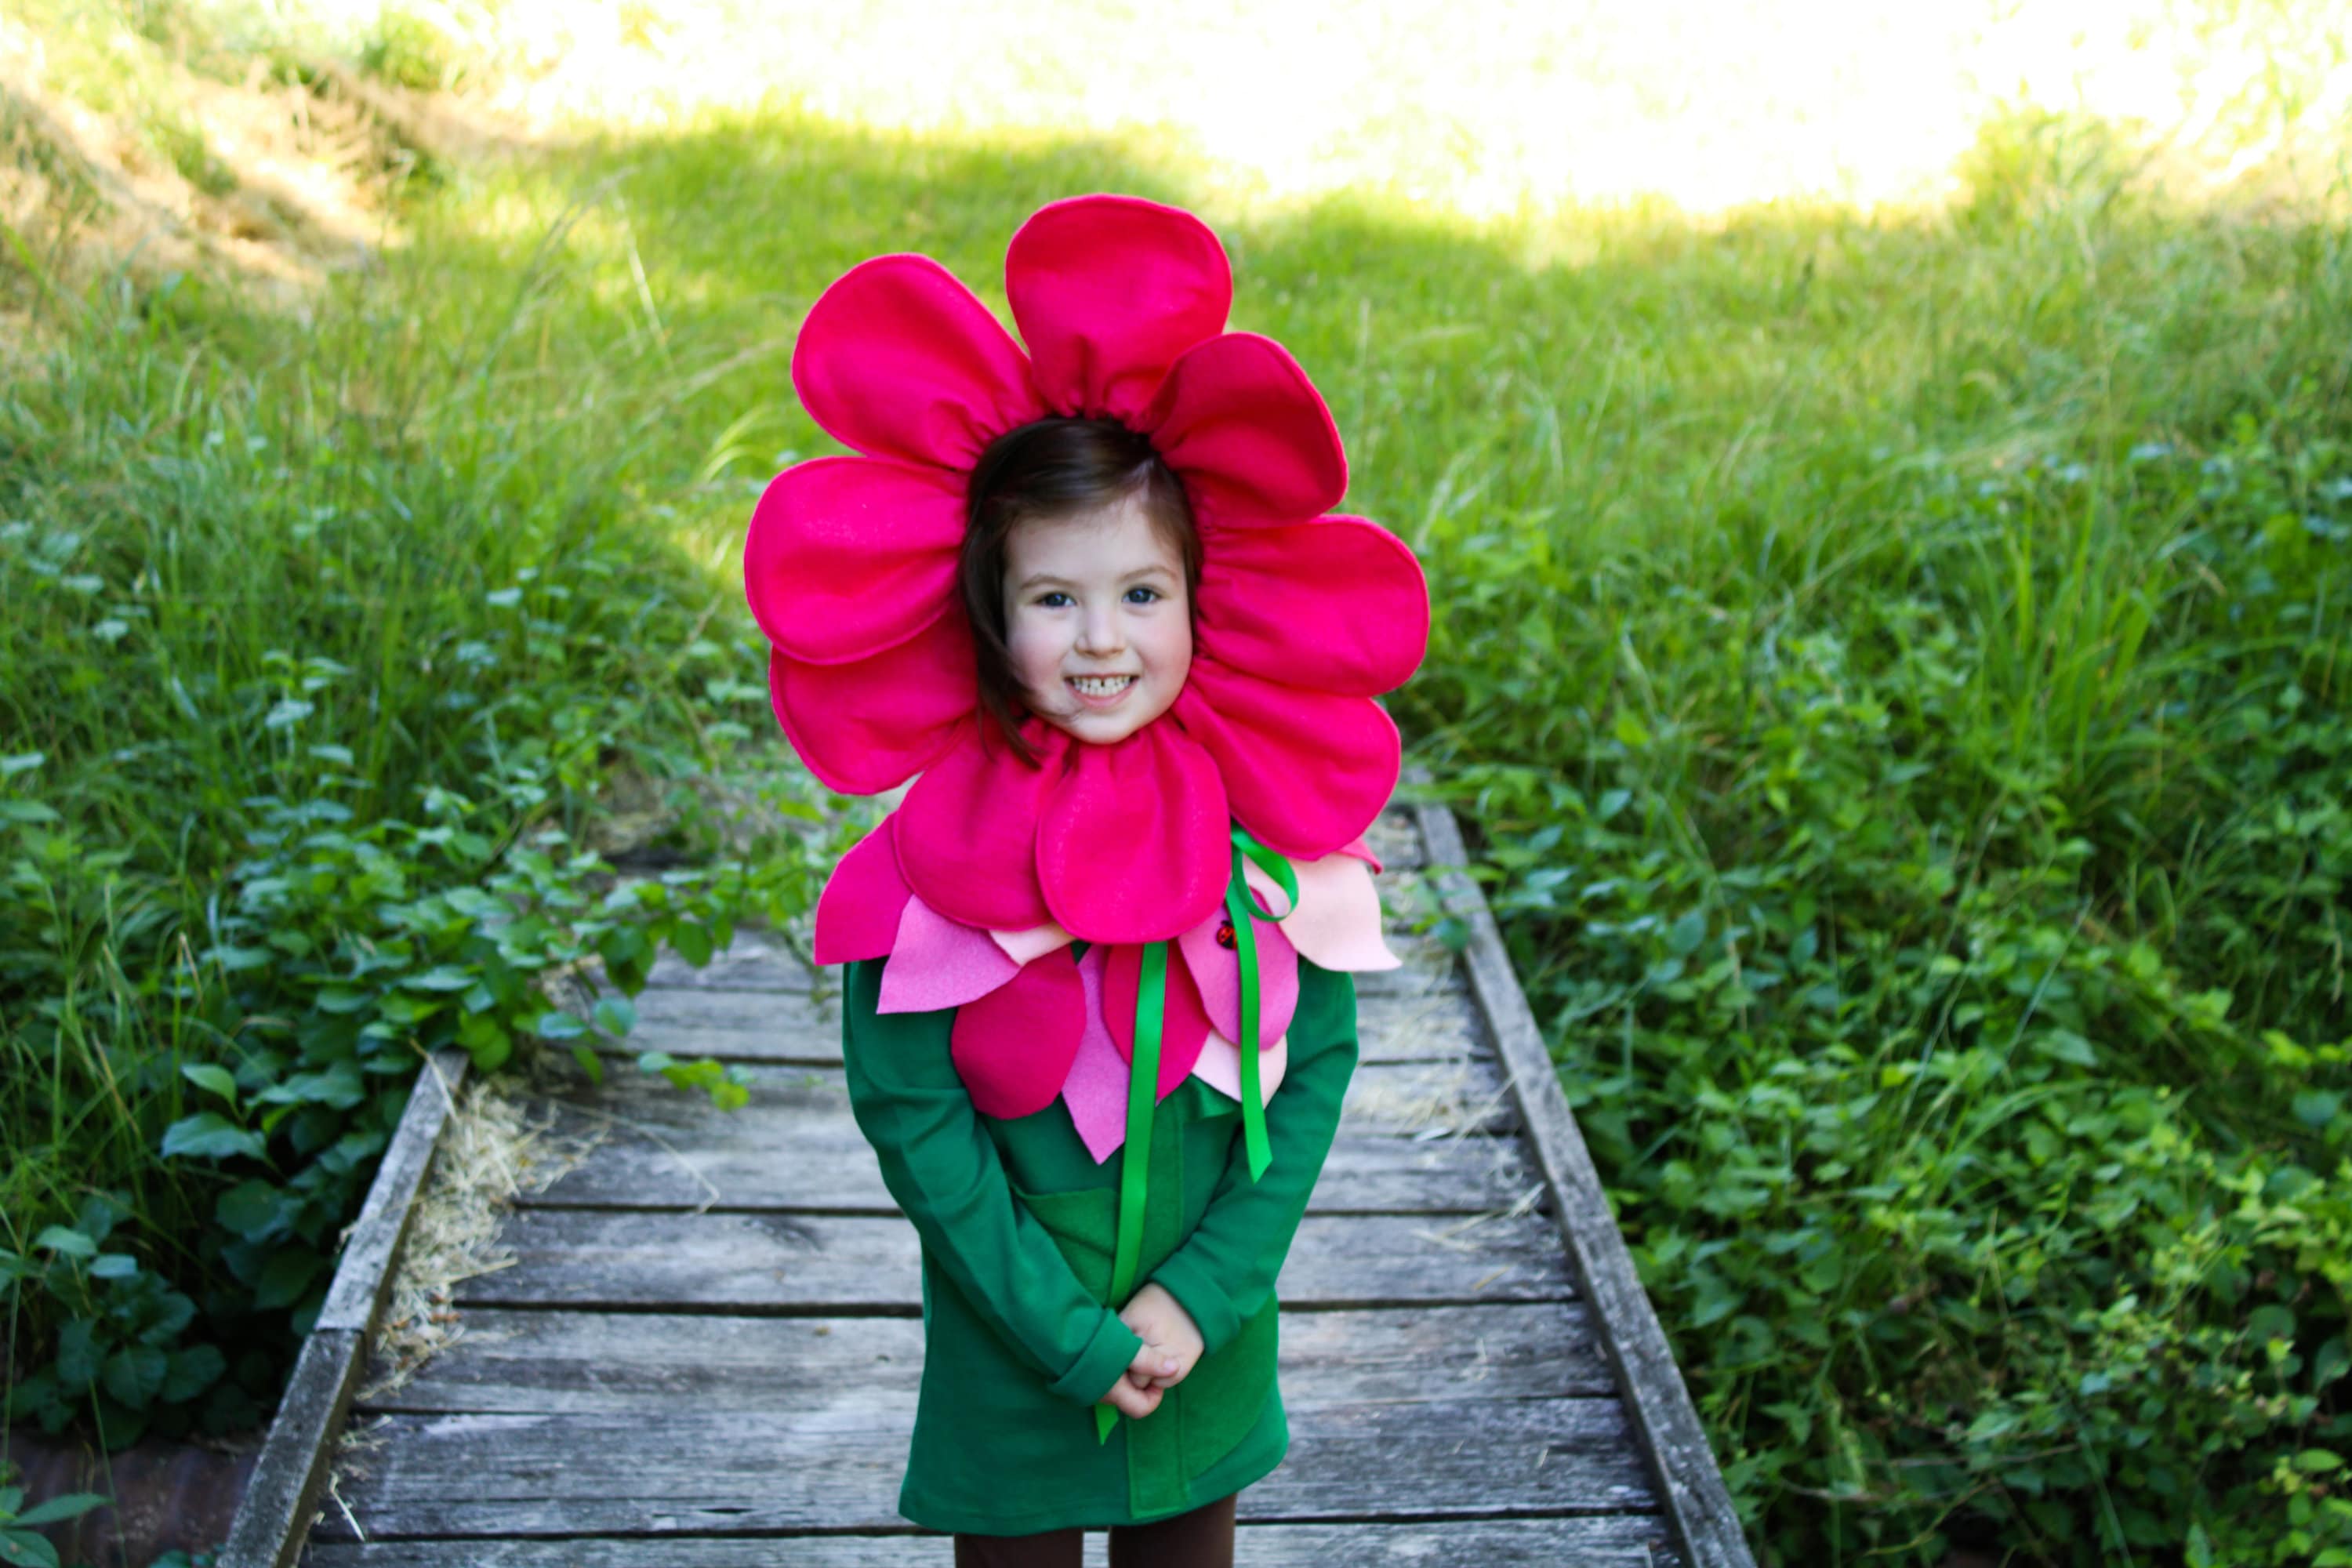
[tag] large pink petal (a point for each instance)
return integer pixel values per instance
(1095, 1090)
(1216, 971)
(1305, 771)
(967, 829)
(867, 726)
(1182, 1025)
(900, 360)
(1132, 843)
(1220, 1067)
(1107, 291)
(858, 914)
(1338, 603)
(1337, 924)
(939, 963)
(1239, 419)
(1012, 1047)
(848, 556)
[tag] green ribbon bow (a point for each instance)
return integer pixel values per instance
(1143, 1071)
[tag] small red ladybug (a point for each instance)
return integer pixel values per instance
(1225, 932)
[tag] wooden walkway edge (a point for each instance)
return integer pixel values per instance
(706, 1351)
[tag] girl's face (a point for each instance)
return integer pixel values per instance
(1096, 619)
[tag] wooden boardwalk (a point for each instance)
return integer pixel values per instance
(707, 1354)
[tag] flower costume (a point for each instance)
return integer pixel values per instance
(1154, 933)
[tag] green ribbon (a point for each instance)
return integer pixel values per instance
(1143, 1071)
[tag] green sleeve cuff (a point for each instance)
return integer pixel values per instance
(1107, 1355)
(1212, 1310)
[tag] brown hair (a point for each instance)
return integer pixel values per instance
(1048, 468)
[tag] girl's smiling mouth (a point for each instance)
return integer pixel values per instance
(1100, 691)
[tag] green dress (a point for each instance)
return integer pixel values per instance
(1018, 1224)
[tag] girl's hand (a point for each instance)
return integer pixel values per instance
(1137, 1393)
(1167, 1329)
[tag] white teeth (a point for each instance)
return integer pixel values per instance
(1101, 685)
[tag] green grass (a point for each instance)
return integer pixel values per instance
(1895, 668)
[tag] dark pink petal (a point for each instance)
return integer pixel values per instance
(1361, 850)
(848, 556)
(867, 726)
(1239, 419)
(939, 963)
(1305, 771)
(1107, 291)
(900, 360)
(967, 829)
(1014, 1047)
(1182, 1025)
(1216, 971)
(858, 914)
(1338, 603)
(1131, 845)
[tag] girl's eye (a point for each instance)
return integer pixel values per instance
(1053, 600)
(1149, 595)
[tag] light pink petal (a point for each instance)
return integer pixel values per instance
(936, 963)
(899, 360)
(1304, 771)
(1240, 422)
(1182, 1025)
(867, 726)
(1012, 1047)
(1131, 845)
(1216, 971)
(1337, 922)
(1021, 946)
(1338, 603)
(1270, 896)
(1220, 1067)
(1107, 291)
(968, 828)
(849, 556)
(858, 914)
(1095, 1090)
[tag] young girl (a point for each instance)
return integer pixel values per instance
(1089, 593)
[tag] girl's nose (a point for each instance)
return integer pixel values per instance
(1100, 632)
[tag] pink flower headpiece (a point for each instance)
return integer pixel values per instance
(977, 884)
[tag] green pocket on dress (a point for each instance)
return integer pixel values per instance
(1226, 1393)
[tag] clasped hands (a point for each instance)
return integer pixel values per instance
(1171, 1344)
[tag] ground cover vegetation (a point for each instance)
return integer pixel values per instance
(1894, 668)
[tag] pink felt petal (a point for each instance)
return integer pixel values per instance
(1337, 922)
(1220, 1067)
(1239, 419)
(1012, 1047)
(1182, 1025)
(1338, 603)
(1133, 845)
(858, 912)
(867, 726)
(936, 963)
(1305, 771)
(1361, 850)
(1108, 290)
(1216, 972)
(1021, 946)
(899, 360)
(1270, 896)
(968, 828)
(1095, 1090)
(849, 556)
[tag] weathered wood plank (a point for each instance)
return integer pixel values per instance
(796, 1145)
(700, 1473)
(797, 1265)
(613, 1363)
(1429, 1023)
(284, 1487)
(1589, 1541)
(1658, 1404)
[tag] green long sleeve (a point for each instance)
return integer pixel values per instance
(944, 1171)
(1224, 1273)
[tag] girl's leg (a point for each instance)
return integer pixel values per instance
(1054, 1549)
(1201, 1539)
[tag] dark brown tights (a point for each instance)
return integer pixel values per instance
(1201, 1539)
